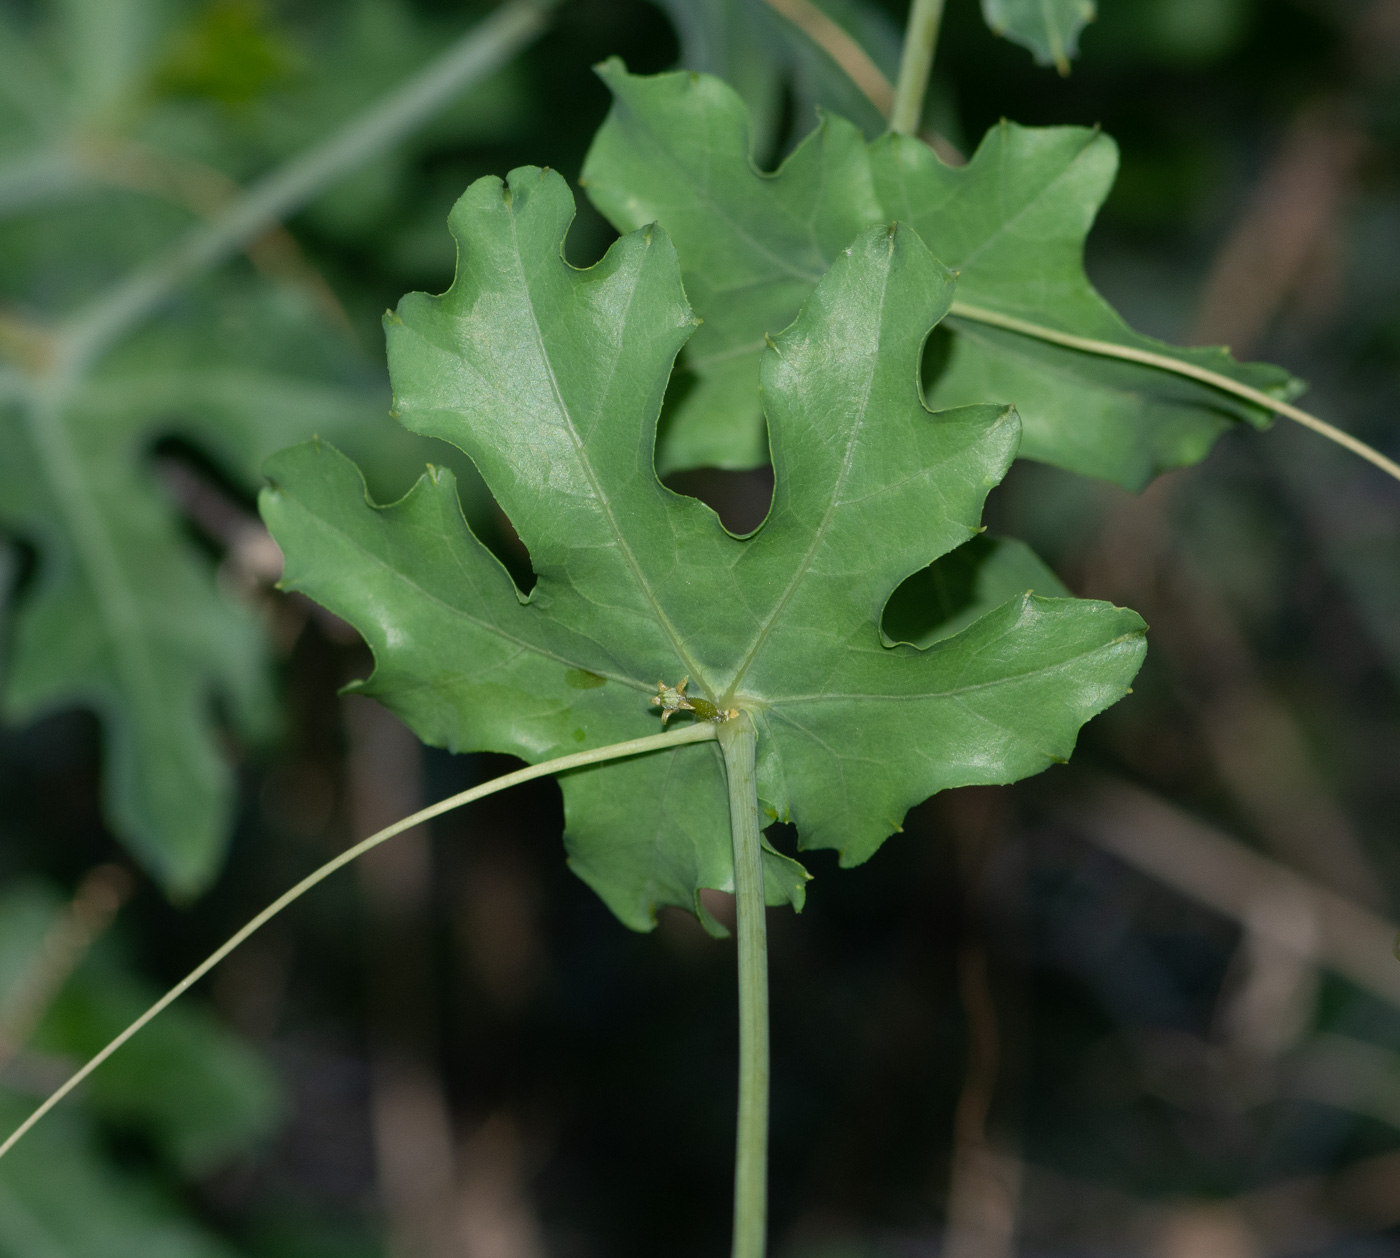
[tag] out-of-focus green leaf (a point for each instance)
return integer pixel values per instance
(60, 1197)
(230, 52)
(1011, 223)
(197, 1092)
(551, 379)
(185, 1084)
(124, 614)
(121, 123)
(759, 52)
(1049, 28)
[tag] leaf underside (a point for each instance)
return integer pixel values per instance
(676, 149)
(551, 380)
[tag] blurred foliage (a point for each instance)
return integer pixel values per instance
(1134, 1108)
(1049, 28)
(126, 123)
(191, 1094)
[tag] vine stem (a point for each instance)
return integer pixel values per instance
(697, 733)
(915, 63)
(1165, 362)
(738, 742)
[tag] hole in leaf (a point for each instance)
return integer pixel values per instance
(936, 595)
(678, 387)
(784, 132)
(740, 499)
(938, 350)
(19, 566)
(964, 585)
(218, 512)
(498, 535)
(783, 836)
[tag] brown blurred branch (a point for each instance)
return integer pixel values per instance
(833, 39)
(1253, 739)
(1210, 867)
(838, 44)
(1288, 1219)
(206, 192)
(95, 903)
(412, 1122)
(1287, 222)
(441, 1199)
(984, 1183)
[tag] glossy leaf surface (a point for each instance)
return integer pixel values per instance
(551, 379)
(1012, 223)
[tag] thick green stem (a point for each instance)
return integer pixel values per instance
(920, 40)
(738, 741)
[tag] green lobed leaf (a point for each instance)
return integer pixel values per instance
(1049, 28)
(551, 379)
(1012, 223)
(675, 150)
(724, 38)
(752, 245)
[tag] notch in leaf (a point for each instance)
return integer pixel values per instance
(551, 378)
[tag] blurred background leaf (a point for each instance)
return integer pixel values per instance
(1049, 28)
(150, 116)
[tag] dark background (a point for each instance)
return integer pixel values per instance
(994, 1026)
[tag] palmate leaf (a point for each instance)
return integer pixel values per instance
(551, 379)
(675, 149)
(1049, 28)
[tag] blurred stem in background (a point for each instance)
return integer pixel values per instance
(984, 1183)
(412, 1121)
(915, 65)
(486, 47)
